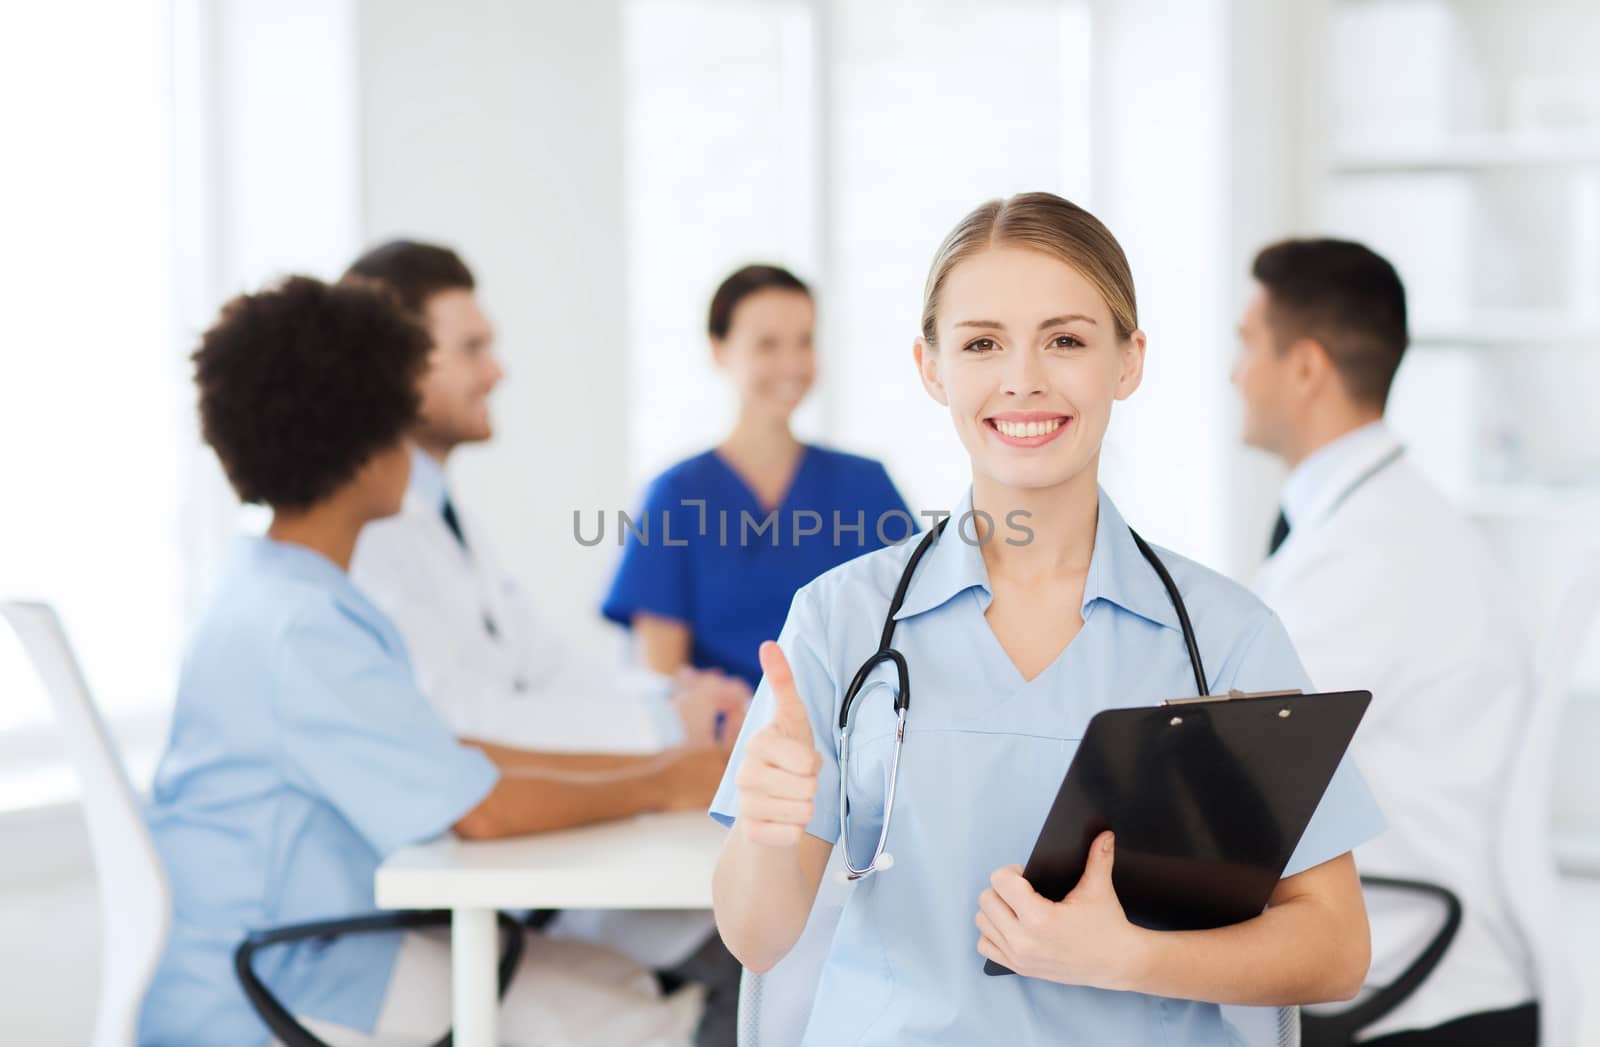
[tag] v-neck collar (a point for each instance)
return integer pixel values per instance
(749, 492)
(1118, 575)
(1118, 571)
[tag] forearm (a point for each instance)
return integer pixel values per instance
(762, 897)
(663, 644)
(538, 792)
(510, 758)
(1298, 952)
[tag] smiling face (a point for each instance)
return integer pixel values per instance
(462, 372)
(768, 351)
(1028, 360)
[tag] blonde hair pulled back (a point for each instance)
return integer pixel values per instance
(1048, 224)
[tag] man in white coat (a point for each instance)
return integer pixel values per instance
(1384, 586)
(482, 654)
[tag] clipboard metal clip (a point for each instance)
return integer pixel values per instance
(1231, 695)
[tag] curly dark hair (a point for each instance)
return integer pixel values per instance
(303, 382)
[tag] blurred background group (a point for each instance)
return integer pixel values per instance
(604, 165)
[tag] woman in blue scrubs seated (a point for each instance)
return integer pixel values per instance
(301, 751)
(1015, 630)
(726, 537)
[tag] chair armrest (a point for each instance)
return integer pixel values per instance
(277, 1018)
(1339, 1029)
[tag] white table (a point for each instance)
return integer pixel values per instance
(653, 861)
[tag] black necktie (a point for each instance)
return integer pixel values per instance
(1280, 531)
(448, 511)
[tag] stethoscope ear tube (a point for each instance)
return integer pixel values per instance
(884, 652)
(902, 697)
(1195, 663)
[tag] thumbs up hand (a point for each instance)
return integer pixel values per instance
(778, 779)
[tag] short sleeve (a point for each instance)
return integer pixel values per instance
(801, 640)
(654, 576)
(1348, 815)
(358, 733)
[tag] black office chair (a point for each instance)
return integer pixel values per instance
(278, 1019)
(1339, 1029)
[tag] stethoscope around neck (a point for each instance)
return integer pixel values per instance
(881, 858)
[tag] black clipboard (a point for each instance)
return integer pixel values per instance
(1208, 798)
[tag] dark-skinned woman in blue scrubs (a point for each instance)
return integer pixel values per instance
(726, 538)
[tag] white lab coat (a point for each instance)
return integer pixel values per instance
(516, 684)
(519, 684)
(1393, 591)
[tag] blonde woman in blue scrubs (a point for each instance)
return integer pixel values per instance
(1015, 632)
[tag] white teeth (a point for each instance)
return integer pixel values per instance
(1024, 430)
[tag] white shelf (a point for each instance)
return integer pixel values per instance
(1508, 328)
(1574, 503)
(1471, 152)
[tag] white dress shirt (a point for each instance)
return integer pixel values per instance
(1384, 586)
(491, 667)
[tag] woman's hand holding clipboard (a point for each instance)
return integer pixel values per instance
(1208, 798)
(1083, 939)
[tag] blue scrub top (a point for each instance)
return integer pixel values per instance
(301, 754)
(984, 753)
(712, 560)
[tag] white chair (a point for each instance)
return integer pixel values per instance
(1527, 865)
(774, 1007)
(135, 906)
(135, 899)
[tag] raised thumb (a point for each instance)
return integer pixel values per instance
(789, 712)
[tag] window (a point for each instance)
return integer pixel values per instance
(830, 147)
(721, 171)
(165, 173)
(93, 406)
(909, 159)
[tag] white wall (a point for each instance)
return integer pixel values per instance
(1201, 135)
(257, 89)
(1161, 164)
(1265, 82)
(496, 127)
